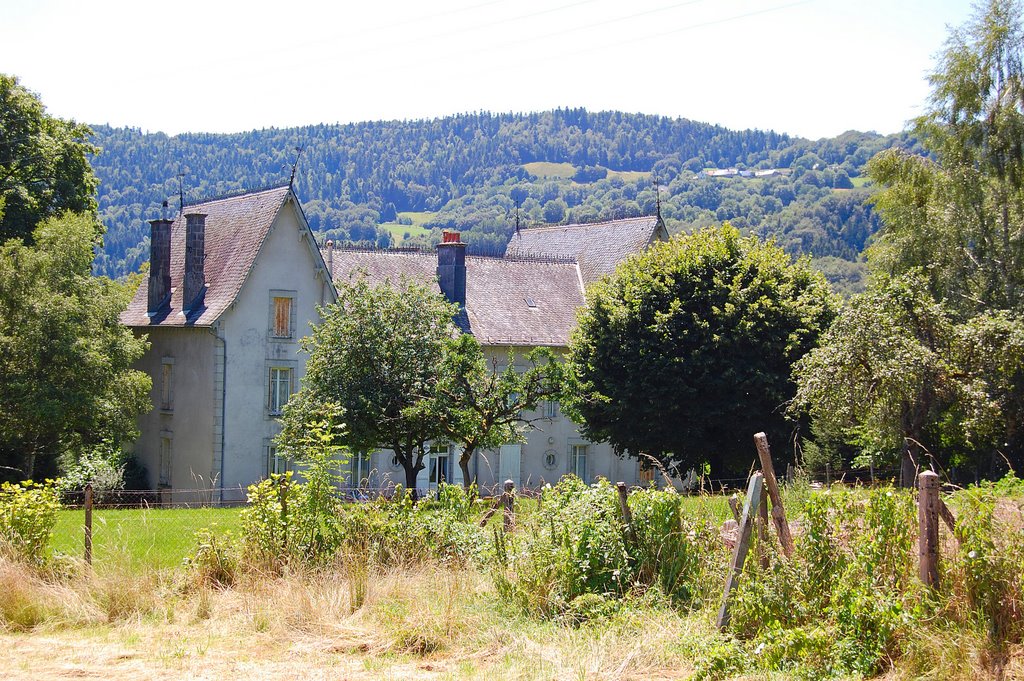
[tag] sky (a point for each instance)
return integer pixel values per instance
(812, 68)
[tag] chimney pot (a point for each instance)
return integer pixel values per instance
(195, 254)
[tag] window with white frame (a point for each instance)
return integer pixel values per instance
(360, 473)
(282, 315)
(437, 463)
(165, 461)
(276, 464)
(550, 409)
(166, 383)
(578, 456)
(280, 389)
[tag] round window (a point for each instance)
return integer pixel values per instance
(550, 459)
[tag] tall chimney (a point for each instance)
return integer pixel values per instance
(195, 243)
(451, 268)
(159, 264)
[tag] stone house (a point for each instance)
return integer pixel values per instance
(233, 284)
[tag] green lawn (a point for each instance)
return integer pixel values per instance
(629, 175)
(860, 181)
(153, 537)
(418, 218)
(545, 169)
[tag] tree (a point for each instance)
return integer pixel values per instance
(378, 355)
(44, 164)
(66, 381)
(480, 407)
(686, 352)
(960, 213)
(899, 377)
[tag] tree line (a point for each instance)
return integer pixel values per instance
(470, 169)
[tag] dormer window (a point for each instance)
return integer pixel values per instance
(530, 302)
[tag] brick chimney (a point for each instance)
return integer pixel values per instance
(451, 268)
(195, 253)
(159, 263)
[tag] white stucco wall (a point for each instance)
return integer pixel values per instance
(188, 424)
(557, 434)
(286, 265)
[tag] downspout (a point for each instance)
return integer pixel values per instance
(222, 348)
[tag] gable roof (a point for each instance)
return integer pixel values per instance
(598, 246)
(498, 292)
(235, 230)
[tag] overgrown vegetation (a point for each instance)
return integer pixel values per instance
(847, 603)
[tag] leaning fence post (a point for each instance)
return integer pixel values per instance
(778, 512)
(739, 554)
(88, 524)
(627, 515)
(510, 509)
(928, 528)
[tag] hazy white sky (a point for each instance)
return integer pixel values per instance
(807, 67)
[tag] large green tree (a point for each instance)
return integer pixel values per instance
(898, 376)
(44, 163)
(378, 354)
(959, 212)
(65, 360)
(686, 352)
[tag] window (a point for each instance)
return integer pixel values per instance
(437, 463)
(550, 409)
(360, 469)
(280, 388)
(578, 454)
(646, 474)
(165, 461)
(282, 314)
(276, 464)
(166, 387)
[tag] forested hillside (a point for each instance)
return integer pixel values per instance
(369, 182)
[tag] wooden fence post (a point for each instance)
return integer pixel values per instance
(739, 554)
(627, 515)
(762, 531)
(828, 474)
(778, 512)
(88, 524)
(734, 504)
(510, 509)
(928, 528)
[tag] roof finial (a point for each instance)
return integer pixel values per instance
(298, 153)
(181, 191)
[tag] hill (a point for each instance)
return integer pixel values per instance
(364, 182)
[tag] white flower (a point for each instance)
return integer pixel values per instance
(972, 555)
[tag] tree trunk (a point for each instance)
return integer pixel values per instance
(464, 458)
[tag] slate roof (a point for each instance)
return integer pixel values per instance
(497, 292)
(235, 230)
(597, 246)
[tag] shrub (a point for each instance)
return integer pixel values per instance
(28, 514)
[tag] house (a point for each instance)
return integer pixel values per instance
(526, 299)
(233, 284)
